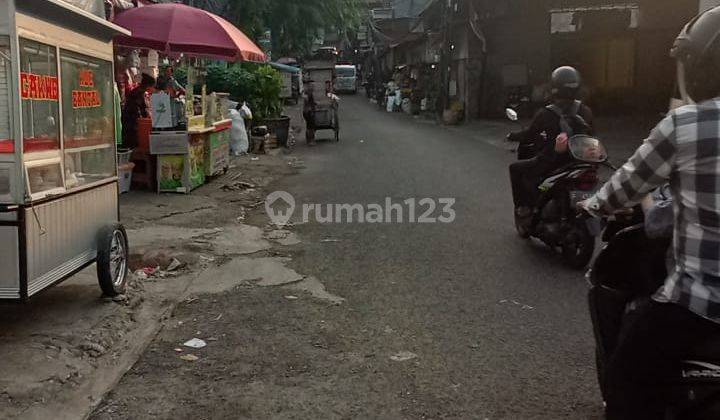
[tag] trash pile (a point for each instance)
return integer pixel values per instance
(157, 264)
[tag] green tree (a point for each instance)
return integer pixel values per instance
(248, 15)
(294, 23)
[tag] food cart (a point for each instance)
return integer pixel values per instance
(217, 149)
(319, 80)
(217, 144)
(58, 171)
(180, 160)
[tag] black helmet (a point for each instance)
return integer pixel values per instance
(565, 83)
(697, 50)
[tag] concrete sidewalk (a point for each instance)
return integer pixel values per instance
(64, 349)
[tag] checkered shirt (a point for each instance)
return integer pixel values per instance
(684, 150)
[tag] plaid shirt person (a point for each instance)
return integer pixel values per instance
(684, 150)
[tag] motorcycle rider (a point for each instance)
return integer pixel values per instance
(566, 114)
(684, 150)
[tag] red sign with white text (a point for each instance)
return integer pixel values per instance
(38, 87)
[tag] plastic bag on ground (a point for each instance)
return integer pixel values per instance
(239, 142)
(245, 112)
(390, 105)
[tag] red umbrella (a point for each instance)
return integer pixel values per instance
(179, 29)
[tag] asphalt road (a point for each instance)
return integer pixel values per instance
(450, 288)
(498, 327)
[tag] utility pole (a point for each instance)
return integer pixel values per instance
(445, 54)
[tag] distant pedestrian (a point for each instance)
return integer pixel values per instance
(309, 107)
(135, 108)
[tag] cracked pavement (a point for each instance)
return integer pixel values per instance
(315, 320)
(459, 320)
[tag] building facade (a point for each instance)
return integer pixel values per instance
(621, 48)
(499, 51)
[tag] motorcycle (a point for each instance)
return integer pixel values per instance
(554, 218)
(633, 266)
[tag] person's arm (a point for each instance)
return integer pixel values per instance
(532, 133)
(142, 105)
(589, 119)
(649, 168)
(178, 87)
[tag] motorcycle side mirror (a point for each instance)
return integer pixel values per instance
(511, 114)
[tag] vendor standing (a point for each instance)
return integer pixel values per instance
(168, 79)
(135, 108)
(309, 106)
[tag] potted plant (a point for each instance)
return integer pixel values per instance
(260, 86)
(267, 105)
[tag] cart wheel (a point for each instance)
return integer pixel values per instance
(112, 259)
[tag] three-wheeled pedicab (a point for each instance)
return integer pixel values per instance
(325, 115)
(58, 171)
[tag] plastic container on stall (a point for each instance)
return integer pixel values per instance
(125, 171)
(123, 156)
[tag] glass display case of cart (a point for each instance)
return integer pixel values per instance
(8, 168)
(66, 102)
(39, 95)
(88, 119)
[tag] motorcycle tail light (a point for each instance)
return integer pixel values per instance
(587, 180)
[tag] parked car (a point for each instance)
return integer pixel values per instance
(346, 78)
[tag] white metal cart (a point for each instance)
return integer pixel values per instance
(58, 171)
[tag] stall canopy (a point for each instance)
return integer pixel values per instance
(176, 29)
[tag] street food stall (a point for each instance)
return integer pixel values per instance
(180, 158)
(195, 147)
(217, 146)
(58, 172)
(181, 152)
(186, 137)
